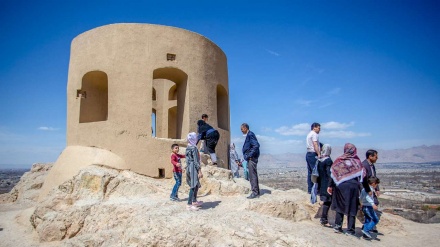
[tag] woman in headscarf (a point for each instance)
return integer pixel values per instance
(211, 136)
(324, 165)
(193, 171)
(235, 160)
(347, 172)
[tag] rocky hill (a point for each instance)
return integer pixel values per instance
(420, 154)
(107, 207)
(9, 178)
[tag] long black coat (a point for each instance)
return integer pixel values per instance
(324, 176)
(345, 197)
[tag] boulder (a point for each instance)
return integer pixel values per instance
(27, 190)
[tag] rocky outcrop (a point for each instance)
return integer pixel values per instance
(26, 191)
(101, 205)
(283, 205)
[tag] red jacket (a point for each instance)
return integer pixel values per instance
(175, 159)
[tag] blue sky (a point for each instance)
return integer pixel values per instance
(368, 71)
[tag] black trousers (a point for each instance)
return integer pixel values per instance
(325, 208)
(212, 140)
(253, 177)
(351, 220)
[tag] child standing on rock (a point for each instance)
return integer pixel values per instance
(177, 171)
(193, 172)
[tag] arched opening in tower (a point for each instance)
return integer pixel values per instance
(94, 97)
(170, 87)
(222, 108)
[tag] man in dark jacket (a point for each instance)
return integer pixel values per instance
(251, 152)
(371, 158)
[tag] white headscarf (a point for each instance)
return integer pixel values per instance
(192, 139)
(326, 150)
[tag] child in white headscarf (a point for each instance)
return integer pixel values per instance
(193, 171)
(324, 165)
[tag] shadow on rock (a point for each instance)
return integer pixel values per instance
(331, 216)
(265, 191)
(207, 205)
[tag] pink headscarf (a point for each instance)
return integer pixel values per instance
(347, 166)
(192, 139)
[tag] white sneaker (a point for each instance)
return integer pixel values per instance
(197, 204)
(192, 208)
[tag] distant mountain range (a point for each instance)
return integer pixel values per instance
(420, 154)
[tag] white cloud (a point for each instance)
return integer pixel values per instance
(47, 128)
(342, 134)
(272, 145)
(271, 139)
(336, 125)
(237, 140)
(273, 53)
(330, 129)
(296, 130)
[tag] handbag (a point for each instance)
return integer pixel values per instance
(315, 173)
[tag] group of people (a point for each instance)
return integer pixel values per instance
(344, 185)
(210, 136)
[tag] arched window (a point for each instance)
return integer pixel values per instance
(94, 107)
(153, 123)
(170, 82)
(222, 108)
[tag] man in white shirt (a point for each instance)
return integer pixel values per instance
(313, 152)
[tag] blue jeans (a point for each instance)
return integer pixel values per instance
(192, 197)
(371, 218)
(245, 170)
(311, 162)
(178, 178)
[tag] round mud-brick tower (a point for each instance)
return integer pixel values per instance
(135, 89)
